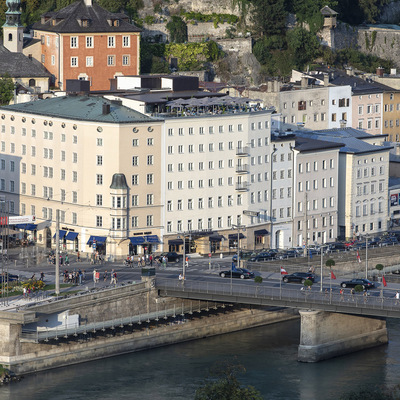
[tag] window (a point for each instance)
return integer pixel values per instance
(89, 61)
(126, 60)
(110, 60)
(74, 176)
(74, 157)
(99, 179)
(149, 220)
(149, 199)
(111, 41)
(149, 179)
(74, 42)
(149, 160)
(126, 41)
(89, 41)
(74, 61)
(99, 221)
(99, 199)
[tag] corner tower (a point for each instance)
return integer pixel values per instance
(13, 31)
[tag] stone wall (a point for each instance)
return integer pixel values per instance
(22, 356)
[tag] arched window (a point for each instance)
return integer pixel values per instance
(32, 82)
(10, 37)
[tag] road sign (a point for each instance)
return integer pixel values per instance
(251, 213)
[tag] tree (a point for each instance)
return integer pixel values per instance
(258, 279)
(177, 30)
(330, 263)
(269, 17)
(6, 89)
(308, 283)
(379, 267)
(224, 385)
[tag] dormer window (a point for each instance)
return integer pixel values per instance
(83, 22)
(113, 22)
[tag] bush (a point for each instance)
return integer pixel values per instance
(308, 283)
(358, 288)
(379, 267)
(258, 279)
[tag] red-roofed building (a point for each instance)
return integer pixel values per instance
(85, 41)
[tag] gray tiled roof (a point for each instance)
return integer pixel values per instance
(84, 108)
(304, 144)
(17, 65)
(69, 17)
(349, 137)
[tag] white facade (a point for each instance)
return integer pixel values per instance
(340, 110)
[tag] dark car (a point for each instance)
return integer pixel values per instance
(288, 254)
(241, 273)
(8, 277)
(365, 283)
(299, 277)
(171, 257)
(265, 256)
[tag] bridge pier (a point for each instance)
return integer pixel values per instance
(326, 335)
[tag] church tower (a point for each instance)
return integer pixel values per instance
(13, 31)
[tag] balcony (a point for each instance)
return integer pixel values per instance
(242, 186)
(242, 151)
(242, 169)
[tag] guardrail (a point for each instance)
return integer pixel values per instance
(328, 300)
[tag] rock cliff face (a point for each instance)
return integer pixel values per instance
(390, 13)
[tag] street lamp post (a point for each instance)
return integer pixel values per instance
(366, 257)
(322, 257)
(238, 227)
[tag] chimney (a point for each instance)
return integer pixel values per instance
(88, 3)
(326, 79)
(304, 82)
(106, 109)
(380, 71)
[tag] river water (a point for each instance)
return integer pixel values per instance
(269, 355)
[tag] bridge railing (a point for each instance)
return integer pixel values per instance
(282, 294)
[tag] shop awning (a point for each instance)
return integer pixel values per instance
(175, 242)
(62, 233)
(135, 240)
(26, 227)
(233, 236)
(71, 236)
(215, 238)
(152, 239)
(261, 232)
(98, 239)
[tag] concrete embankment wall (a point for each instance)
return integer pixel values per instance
(23, 357)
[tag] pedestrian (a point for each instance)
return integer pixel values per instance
(66, 259)
(42, 276)
(83, 275)
(341, 294)
(24, 292)
(326, 293)
(143, 262)
(94, 275)
(151, 260)
(105, 276)
(397, 296)
(365, 294)
(80, 276)
(79, 256)
(138, 261)
(352, 294)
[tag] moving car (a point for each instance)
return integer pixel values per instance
(171, 257)
(299, 277)
(365, 283)
(8, 277)
(241, 273)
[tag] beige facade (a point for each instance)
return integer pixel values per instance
(68, 163)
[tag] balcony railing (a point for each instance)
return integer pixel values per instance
(242, 169)
(242, 186)
(242, 151)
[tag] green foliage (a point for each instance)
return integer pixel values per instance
(214, 17)
(358, 288)
(6, 89)
(224, 385)
(373, 39)
(308, 283)
(304, 45)
(367, 43)
(258, 279)
(379, 267)
(192, 56)
(152, 53)
(269, 17)
(177, 30)
(149, 19)
(330, 263)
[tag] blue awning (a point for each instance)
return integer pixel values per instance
(233, 236)
(152, 239)
(215, 238)
(98, 239)
(62, 233)
(71, 236)
(135, 240)
(26, 227)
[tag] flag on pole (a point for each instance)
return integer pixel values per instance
(333, 275)
(384, 281)
(283, 271)
(358, 257)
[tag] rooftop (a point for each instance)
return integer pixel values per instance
(81, 108)
(69, 20)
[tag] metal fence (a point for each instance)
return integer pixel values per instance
(251, 293)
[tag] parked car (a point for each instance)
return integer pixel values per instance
(365, 283)
(287, 254)
(299, 277)
(4, 277)
(241, 273)
(335, 246)
(265, 256)
(171, 257)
